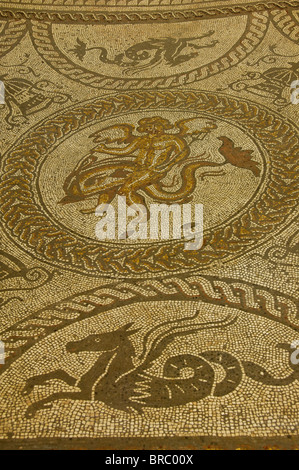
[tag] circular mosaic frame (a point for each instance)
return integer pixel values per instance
(44, 43)
(26, 221)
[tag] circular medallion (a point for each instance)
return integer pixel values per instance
(141, 59)
(148, 369)
(165, 147)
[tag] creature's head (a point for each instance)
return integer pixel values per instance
(223, 138)
(102, 342)
(154, 126)
(294, 66)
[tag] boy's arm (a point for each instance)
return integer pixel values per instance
(116, 150)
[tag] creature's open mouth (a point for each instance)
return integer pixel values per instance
(73, 347)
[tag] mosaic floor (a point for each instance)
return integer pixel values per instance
(135, 342)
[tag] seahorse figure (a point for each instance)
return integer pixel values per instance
(150, 53)
(125, 382)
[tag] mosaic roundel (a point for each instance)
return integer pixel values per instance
(143, 366)
(205, 145)
(106, 56)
